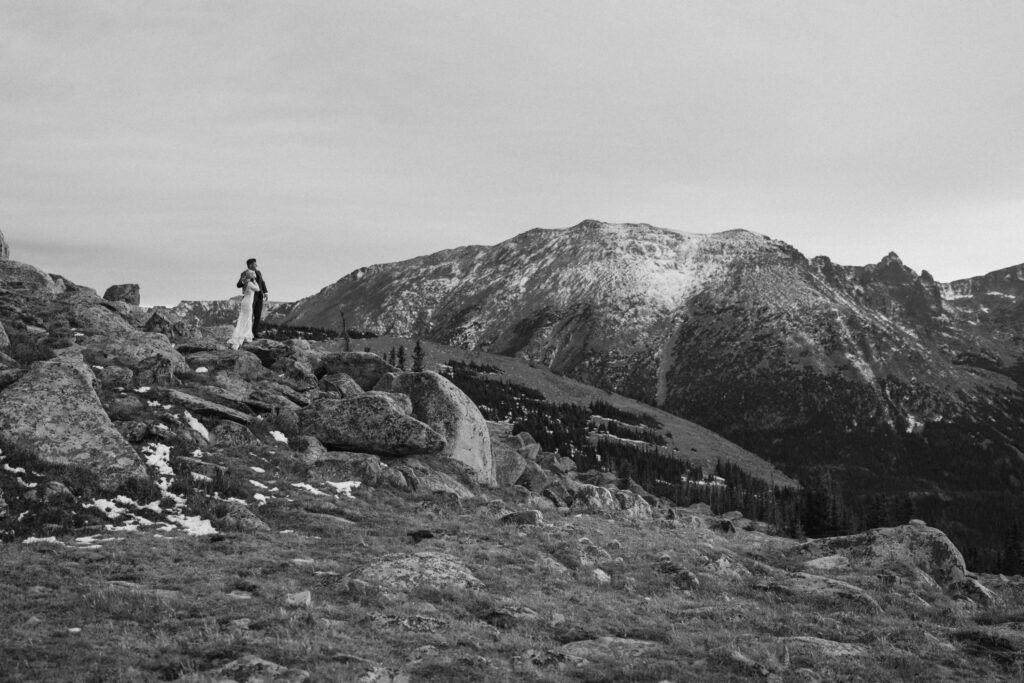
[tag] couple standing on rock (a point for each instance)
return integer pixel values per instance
(250, 309)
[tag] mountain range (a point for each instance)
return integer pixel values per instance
(876, 378)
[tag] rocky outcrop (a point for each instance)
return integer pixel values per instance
(5, 250)
(21, 277)
(54, 413)
(910, 545)
(369, 423)
(128, 293)
(439, 403)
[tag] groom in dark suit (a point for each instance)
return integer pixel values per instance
(257, 299)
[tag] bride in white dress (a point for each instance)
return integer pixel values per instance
(243, 328)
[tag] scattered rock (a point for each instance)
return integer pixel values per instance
(594, 499)
(128, 293)
(300, 599)
(529, 517)
(609, 649)
(268, 351)
(232, 516)
(508, 615)
(828, 563)
(633, 506)
(398, 574)
(54, 411)
(969, 587)
(231, 433)
(829, 648)
(251, 669)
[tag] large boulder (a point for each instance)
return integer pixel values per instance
(128, 293)
(593, 499)
(366, 369)
(910, 545)
(241, 362)
(509, 464)
(54, 412)
(269, 351)
(94, 318)
(5, 251)
(369, 423)
(442, 405)
(134, 350)
(5, 341)
(22, 277)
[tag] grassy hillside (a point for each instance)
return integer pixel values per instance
(696, 444)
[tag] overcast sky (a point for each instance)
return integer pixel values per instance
(164, 142)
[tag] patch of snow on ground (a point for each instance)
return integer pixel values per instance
(14, 470)
(260, 498)
(278, 436)
(257, 470)
(158, 455)
(258, 484)
(306, 487)
(201, 370)
(344, 486)
(197, 425)
(48, 539)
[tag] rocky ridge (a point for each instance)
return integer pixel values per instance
(112, 432)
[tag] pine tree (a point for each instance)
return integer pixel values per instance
(401, 357)
(393, 357)
(347, 345)
(417, 357)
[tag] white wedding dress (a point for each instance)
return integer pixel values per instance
(243, 328)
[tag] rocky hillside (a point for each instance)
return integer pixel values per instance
(890, 381)
(171, 509)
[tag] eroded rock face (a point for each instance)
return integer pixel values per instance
(369, 423)
(915, 544)
(55, 413)
(98, 319)
(442, 405)
(5, 251)
(128, 293)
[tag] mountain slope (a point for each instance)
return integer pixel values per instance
(898, 384)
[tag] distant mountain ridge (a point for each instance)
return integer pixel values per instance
(877, 373)
(225, 311)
